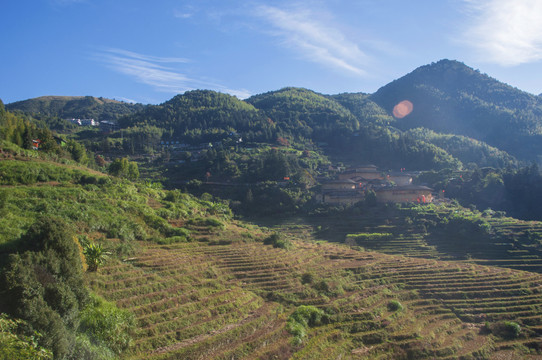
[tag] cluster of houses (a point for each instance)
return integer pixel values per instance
(351, 186)
(105, 125)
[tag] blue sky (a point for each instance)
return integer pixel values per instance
(149, 51)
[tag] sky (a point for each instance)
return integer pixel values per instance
(149, 51)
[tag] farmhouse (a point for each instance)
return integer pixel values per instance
(400, 178)
(335, 185)
(409, 193)
(365, 172)
(341, 192)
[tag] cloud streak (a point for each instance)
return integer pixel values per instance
(315, 41)
(505, 32)
(152, 71)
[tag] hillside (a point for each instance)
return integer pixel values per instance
(452, 98)
(107, 268)
(302, 113)
(202, 115)
(467, 150)
(76, 107)
(199, 285)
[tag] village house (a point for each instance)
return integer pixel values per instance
(409, 193)
(341, 192)
(335, 185)
(84, 122)
(107, 126)
(360, 173)
(351, 185)
(400, 178)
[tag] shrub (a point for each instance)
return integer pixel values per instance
(106, 324)
(277, 241)
(303, 317)
(44, 285)
(395, 305)
(16, 346)
(307, 278)
(506, 329)
(95, 256)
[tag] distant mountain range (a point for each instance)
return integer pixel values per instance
(463, 115)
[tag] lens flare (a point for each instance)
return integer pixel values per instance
(402, 109)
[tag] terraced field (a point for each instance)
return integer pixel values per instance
(512, 243)
(230, 298)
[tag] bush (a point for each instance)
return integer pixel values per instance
(506, 329)
(16, 346)
(307, 278)
(395, 305)
(44, 285)
(108, 325)
(303, 317)
(277, 241)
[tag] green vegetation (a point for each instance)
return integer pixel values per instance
(301, 319)
(124, 168)
(277, 241)
(78, 107)
(14, 345)
(95, 256)
(395, 305)
(44, 285)
(104, 266)
(465, 149)
(105, 324)
(451, 98)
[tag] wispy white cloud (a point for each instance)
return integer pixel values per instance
(186, 13)
(152, 71)
(313, 39)
(505, 32)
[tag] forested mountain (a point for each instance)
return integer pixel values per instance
(453, 98)
(203, 115)
(303, 114)
(78, 107)
(467, 150)
(361, 106)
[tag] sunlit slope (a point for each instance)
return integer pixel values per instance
(227, 296)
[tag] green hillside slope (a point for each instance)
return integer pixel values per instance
(452, 98)
(78, 107)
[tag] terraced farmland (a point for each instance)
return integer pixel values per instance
(218, 299)
(507, 242)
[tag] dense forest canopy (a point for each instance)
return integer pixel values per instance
(453, 98)
(78, 107)
(203, 115)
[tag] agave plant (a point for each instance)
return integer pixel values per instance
(95, 256)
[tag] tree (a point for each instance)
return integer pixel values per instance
(44, 285)
(100, 161)
(124, 168)
(77, 151)
(133, 171)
